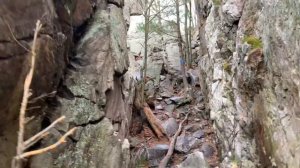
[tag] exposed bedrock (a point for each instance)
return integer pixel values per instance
(249, 66)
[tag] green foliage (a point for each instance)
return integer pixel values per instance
(141, 27)
(217, 2)
(253, 41)
(227, 67)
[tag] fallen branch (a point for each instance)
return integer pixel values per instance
(164, 162)
(154, 122)
(26, 94)
(46, 149)
(41, 134)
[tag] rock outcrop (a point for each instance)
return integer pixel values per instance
(82, 60)
(249, 66)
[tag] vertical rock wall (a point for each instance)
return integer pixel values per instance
(83, 61)
(251, 74)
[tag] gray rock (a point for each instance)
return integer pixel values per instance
(180, 100)
(199, 134)
(194, 75)
(170, 126)
(193, 127)
(162, 77)
(159, 107)
(186, 143)
(172, 59)
(156, 153)
(170, 108)
(194, 160)
(208, 150)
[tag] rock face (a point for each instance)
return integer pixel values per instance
(93, 80)
(249, 69)
(194, 160)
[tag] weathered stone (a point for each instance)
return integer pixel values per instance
(180, 100)
(199, 134)
(156, 153)
(208, 150)
(172, 59)
(170, 108)
(159, 107)
(170, 126)
(186, 143)
(194, 160)
(97, 147)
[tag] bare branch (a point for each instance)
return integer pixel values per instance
(46, 149)
(14, 37)
(26, 92)
(41, 134)
(164, 162)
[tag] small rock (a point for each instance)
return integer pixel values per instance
(159, 98)
(170, 108)
(208, 150)
(168, 101)
(194, 160)
(166, 94)
(180, 100)
(197, 119)
(170, 126)
(194, 76)
(193, 127)
(162, 77)
(200, 99)
(186, 143)
(199, 134)
(156, 154)
(159, 107)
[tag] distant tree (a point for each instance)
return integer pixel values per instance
(180, 42)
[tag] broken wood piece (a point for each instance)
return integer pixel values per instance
(163, 163)
(154, 122)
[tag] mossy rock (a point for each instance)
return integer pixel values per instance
(217, 2)
(255, 42)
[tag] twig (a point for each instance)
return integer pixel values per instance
(14, 37)
(41, 134)
(46, 149)
(164, 162)
(26, 94)
(34, 100)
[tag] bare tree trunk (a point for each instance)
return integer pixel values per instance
(182, 64)
(159, 15)
(186, 32)
(144, 73)
(190, 33)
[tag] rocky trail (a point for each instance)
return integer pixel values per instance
(197, 142)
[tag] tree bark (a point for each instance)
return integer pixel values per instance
(186, 32)
(182, 62)
(190, 33)
(144, 72)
